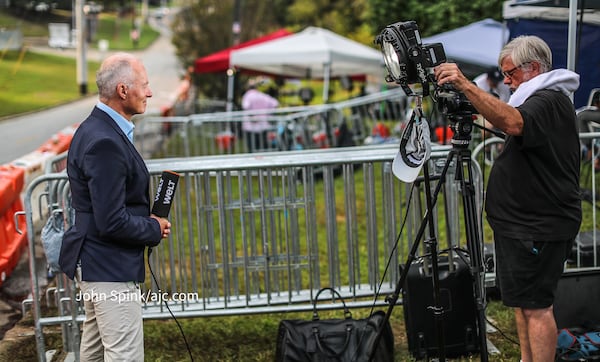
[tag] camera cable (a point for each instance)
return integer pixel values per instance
(187, 346)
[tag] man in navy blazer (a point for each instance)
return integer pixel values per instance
(104, 249)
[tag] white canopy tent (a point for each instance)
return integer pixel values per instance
(312, 53)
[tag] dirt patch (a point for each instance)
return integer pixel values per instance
(17, 288)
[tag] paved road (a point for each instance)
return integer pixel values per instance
(21, 135)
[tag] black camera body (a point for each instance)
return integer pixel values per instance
(451, 101)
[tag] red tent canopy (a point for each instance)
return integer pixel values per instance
(219, 61)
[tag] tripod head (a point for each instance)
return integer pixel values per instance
(462, 125)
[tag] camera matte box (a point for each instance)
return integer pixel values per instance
(461, 334)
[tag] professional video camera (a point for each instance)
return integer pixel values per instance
(408, 62)
(450, 101)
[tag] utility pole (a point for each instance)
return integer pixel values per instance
(236, 29)
(80, 25)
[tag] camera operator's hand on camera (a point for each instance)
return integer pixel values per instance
(503, 116)
(449, 73)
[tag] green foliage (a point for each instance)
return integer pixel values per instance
(204, 26)
(433, 16)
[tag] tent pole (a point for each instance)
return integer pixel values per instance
(572, 35)
(327, 71)
(230, 85)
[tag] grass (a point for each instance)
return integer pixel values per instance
(32, 81)
(244, 338)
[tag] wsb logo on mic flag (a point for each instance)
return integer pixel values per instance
(165, 193)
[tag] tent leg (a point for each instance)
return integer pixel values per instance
(230, 85)
(572, 34)
(326, 76)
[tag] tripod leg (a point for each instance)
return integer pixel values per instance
(437, 309)
(474, 242)
(393, 298)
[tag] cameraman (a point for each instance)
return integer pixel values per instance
(533, 203)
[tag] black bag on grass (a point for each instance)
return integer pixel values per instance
(329, 340)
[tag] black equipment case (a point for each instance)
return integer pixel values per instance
(457, 300)
(577, 299)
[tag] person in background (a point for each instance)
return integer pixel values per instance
(104, 249)
(533, 201)
(135, 37)
(185, 96)
(492, 82)
(588, 118)
(255, 128)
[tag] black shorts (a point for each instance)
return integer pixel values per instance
(527, 272)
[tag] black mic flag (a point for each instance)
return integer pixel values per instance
(165, 193)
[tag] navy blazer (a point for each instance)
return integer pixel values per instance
(110, 194)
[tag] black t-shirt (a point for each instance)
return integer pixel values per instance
(533, 191)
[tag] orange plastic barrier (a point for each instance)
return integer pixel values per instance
(12, 244)
(59, 143)
(12, 180)
(33, 163)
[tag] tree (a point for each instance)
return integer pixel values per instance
(206, 27)
(349, 18)
(432, 16)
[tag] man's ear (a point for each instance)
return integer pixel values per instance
(122, 90)
(535, 67)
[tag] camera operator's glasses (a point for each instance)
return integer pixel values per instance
(510, 73)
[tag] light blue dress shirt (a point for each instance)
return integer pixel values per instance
(125, 125)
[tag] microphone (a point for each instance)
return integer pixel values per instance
(165, 193)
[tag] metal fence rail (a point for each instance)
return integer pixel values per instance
(292, 128)
(261, 233)
(258, 233)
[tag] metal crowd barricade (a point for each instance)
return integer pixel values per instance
(291, 128)
(261, 233)
(587, 246)
(46, 195)
(56, 163)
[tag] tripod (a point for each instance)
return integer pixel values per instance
(462, 127)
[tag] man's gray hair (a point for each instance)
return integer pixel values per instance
(528, 48)
(114, 70)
